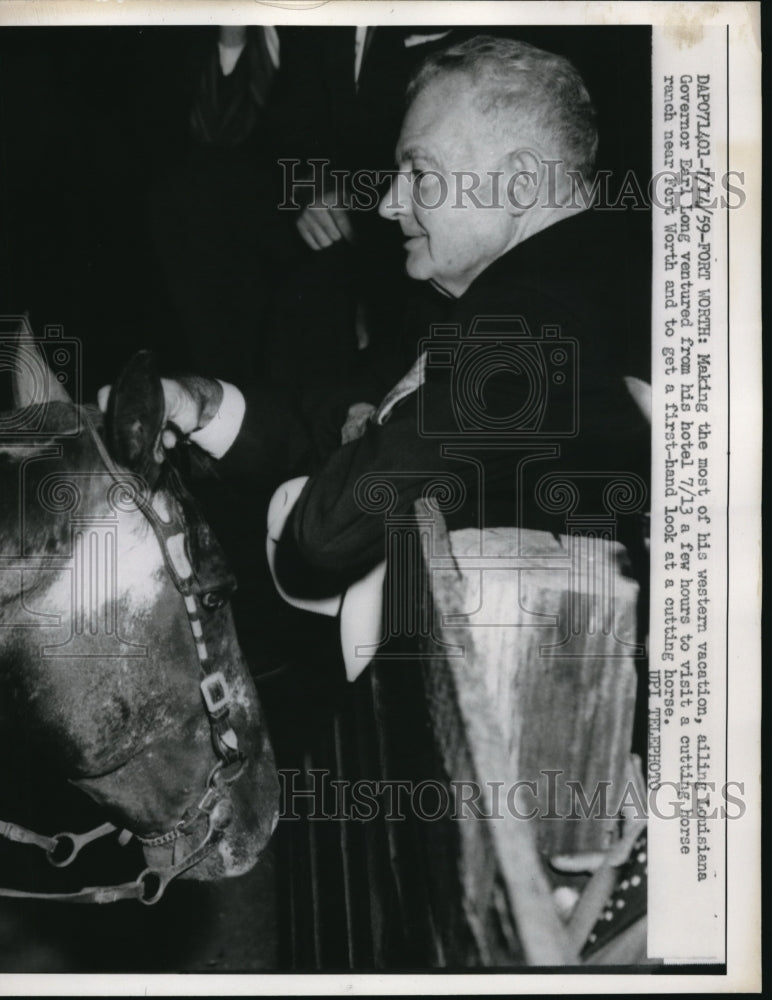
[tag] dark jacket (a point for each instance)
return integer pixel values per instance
(524, 383)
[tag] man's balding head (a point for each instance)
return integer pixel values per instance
(491, 129)
(523, 88)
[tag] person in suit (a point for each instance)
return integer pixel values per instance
(538, 295)
(335, 114)
(257, 230)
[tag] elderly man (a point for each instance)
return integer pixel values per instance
(525, 374)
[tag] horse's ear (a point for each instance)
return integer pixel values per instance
(33, 381)
(135, 416)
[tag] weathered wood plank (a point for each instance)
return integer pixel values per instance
(546, 683)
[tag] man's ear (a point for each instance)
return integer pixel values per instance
(135, 416)
(526, 179)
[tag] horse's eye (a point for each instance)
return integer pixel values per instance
(214, 599)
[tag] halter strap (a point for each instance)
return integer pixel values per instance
(150, 884)
(21, 835)
(89, 894)
(172, 540)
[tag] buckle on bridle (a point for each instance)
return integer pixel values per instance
(217, 696)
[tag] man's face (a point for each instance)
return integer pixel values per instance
(446, 154)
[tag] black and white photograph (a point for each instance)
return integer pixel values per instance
(365, 463)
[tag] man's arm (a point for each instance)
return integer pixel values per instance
(336, 531)
(255, 435)
(191, 404)
(220, 418)
(338, 525)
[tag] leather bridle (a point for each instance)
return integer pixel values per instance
(212, 812)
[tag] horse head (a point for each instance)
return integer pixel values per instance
(117, 645)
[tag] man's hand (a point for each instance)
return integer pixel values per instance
(321, 226)
(356, 421)
(190, 403)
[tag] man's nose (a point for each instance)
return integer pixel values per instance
(396, 202)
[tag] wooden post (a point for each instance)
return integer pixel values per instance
(544, 692)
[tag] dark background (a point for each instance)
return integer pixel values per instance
(94, 123)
